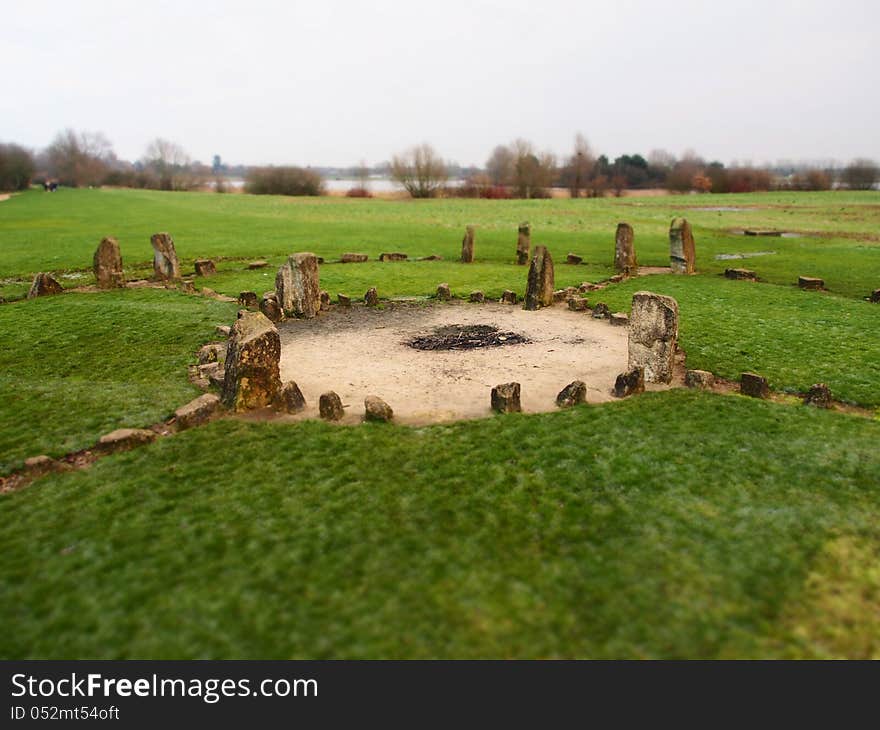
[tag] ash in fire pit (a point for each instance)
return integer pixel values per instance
(465, 337)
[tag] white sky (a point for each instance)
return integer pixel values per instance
(332, 82)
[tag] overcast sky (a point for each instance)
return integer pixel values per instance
(327, 82)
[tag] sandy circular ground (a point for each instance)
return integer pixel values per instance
(359, 351)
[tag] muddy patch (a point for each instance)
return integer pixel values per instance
(465, 337)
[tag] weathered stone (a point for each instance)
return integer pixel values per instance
(343, 300)
(601, 311)
(629, 383)
(396, 256)
(572, 394)
(444, 292)
(252, 378)
(477, 297)
(682, 252)
(376, 409)
(298, 287)
(574, 259)
(330, 406)
(271, 308)
(571, 291)
(224, 329)
(44, 285)
(653, 335)
(619, 319)
(197, 411)
(505, 398)
(206, 292)
(123, 439)
(819, 395)
(508, 297)
(207, 369)
(165, 264)
(810, 282)
(875, 296)
(41, 464)
(217, 378)
(371, 298)
(248, 299)
(212, 352)
(754, 385)
(560, 295)
(539, 289)
(107, 264)
(432, 257)
(291, 399)
(616, 279)
(523, 243)
(325, 300)
(354, 258)
(624, 250)
(744, 274)
(578, 304)
(467, 245)
(588, 286)
(699, 379)
(258, 264)
(187, 287)
(205, 267)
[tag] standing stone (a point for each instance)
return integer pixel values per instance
(467, 246)
(819, 395)
(508, 297)
(325, 300)
(632, 382)
(371, 298)
(875, 296)
(107, 264)
(444, 292)
(477, 297)
(330, 406)
(248, 299)
(43, 285)
(699, 379)
(252, 377)
(298, 287)
(165, 264)
(523, 243)
(505, 398)
(653, 335)
(754, 385)
(572, 394)
(270, 307)
(624, 250)
(601, 311)
(682, 254)
(344, 301)
(205, 267)
(291, 399)
(376, 409)
(574, 259)
(539, 290)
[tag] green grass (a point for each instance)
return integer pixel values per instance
(674, 525)
(76, 366)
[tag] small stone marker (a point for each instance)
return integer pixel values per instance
(523, 243)
(325, 300)
(588, 286)
(624, 250)
(123, 439)
(467, 245)
(505, 398)
(601, 311)
(371, 298)
(443, 292)
(819, 395)
(875, 296)
(578, 304)
(354, 258)
(197, 411)
(653, 335)
(107, 264)
(248, 299)
(343, 300)
(699, 379)
(165, 264)
(508, 297)
(741, 274)
(572, 394)
(560, 295)
(682, 252)
(291, 399)
(539, 289)
(205, 267)
(477, 297)
(616, 279)
(41, 464)
(44, 285)
(330, 406)
(574, 259)
(187, 287)
(212, 352)
(619, 319)
(258, 264)
(810, 283)
(271, 308)
(376, 409)
(629, 383)
(754, 385)
(397, 256)
(297, 286)
(252, 377)
(224, 329)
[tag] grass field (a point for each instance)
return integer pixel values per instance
(672, 524)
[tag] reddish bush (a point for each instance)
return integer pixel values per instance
(495, 192)
(358, 193)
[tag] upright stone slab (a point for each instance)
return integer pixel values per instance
(165, 264)
(252, 356)
(523, 243)
(682, 254)
(624, 250)
(467, 246)
(205, 267)
(107, 264)
(653, 334)
(297, 286)
(539, 290)
(44, 285)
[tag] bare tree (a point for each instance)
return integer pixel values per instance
(861, 174)
(499, 166)
(16, 167)
(532, 175)
(169, 161)
(79, 158)
(420, 170)
(579, 166)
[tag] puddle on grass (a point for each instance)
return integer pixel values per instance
(749, 255)
(725, 209)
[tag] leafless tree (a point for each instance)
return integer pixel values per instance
(499, 166)
(169, 161)
(579, 166)
(532, 174)
(79, 158)
(420, 170)
(861, 174)
(16, 167)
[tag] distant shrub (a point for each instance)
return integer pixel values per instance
(748, 180)
(809, 180)
(16, 167)
(283, 181)
(701, 183)
(359, 192)
(495, 192)
(861, 174)
(220, 185)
